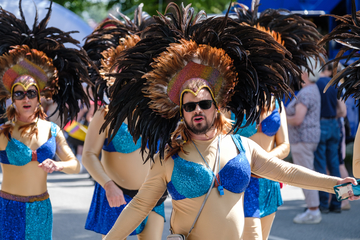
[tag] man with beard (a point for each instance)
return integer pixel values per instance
(201, 150)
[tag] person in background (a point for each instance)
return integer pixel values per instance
(262, 196)
(303, 118)
(32, 66)
(341, 113)
(326, 154)
(299, 36)
(121, 172)
(346, 33)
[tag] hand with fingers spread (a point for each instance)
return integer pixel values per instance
(114, 194)
(50, 166)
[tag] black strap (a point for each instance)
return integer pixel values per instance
(132, 193)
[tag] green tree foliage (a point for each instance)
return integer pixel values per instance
(96, 9)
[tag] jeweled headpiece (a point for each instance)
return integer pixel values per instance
(176, 65)
(56, 71)
(23, 61)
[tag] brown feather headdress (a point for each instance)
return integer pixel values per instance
(228, 57)
(41, 54)
(298, 35)
(105, 44)
(38, 57)
(346, 33)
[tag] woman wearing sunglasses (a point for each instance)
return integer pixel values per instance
(121, 171)
(28, 142)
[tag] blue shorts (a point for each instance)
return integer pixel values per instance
(25, 217)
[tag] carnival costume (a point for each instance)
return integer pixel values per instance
(262, 196)
(180, 56)
(121, 161)
(38, 61)
(347, 80)
(299, 37)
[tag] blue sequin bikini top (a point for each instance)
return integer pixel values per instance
(191, 180)
(271, 124)
(18, 154)
(122, 142)
(244, 131)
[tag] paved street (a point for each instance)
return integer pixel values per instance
(71, 196)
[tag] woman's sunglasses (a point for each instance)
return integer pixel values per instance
(204, 104)
(19, 95)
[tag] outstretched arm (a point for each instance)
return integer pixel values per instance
(264, 165)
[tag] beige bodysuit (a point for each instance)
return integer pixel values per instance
(222, 217)
(126, 170)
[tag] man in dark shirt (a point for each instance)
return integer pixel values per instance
(326, 154)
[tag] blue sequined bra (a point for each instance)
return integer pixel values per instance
(271, 124)
(18, 154)
(122, 142)
(244, 131)
(191, 180)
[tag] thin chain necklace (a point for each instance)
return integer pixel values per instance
(220, 188)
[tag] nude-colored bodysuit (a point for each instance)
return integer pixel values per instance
(220, 212)
(122, 163)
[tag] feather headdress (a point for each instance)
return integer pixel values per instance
(40, 53)
(346, 33)
(228, 57)
(299, 36)
(105, 44)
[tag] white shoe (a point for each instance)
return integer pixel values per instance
(308, 218)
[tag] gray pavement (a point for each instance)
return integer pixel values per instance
(71, 196)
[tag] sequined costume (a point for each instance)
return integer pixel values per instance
(35, 63)
(121, 165)
(18, 154)
(25, 210)
(172, 87)
(28, 218)
(123, 153)
(220, 212)
(262, 196)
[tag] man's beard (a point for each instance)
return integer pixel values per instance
(197, 128)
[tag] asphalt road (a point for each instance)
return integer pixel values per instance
(71, 195)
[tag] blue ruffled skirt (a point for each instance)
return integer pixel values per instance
(262, 197)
